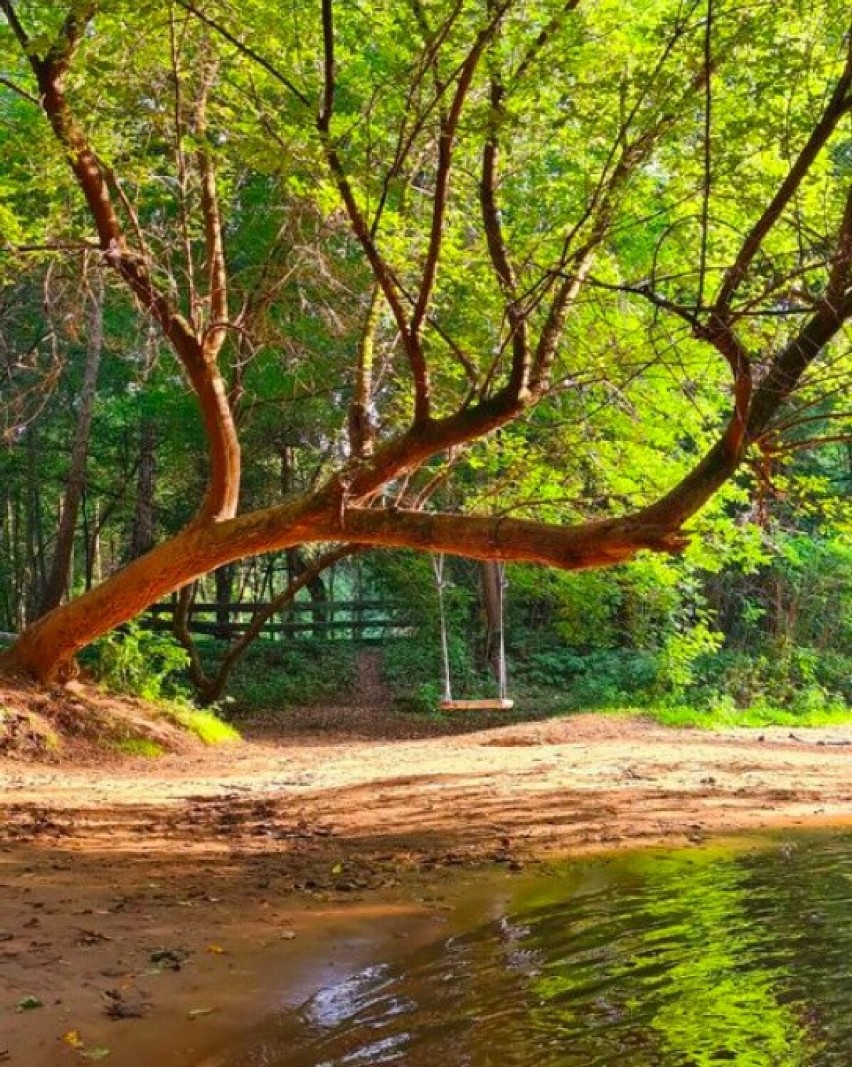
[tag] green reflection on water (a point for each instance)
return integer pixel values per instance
(681, 978)
(677, 959)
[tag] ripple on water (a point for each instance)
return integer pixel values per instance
(653, 959)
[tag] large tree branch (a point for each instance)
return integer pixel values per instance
(381, 270)
(223, 486)
(496, 242)
(446, 142)
(217, 326)
(48, 647)
(791, 363)
(361, 430)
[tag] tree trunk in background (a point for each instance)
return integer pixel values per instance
(57, 581)
(35, 529)
(491, 598)
(142, 538)
(296, 567)
(223, 578)
(18, 616)
(94, 569)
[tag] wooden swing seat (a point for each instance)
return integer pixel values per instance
(477, 705)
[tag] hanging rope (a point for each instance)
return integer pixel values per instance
(438, 567)
(502, 674)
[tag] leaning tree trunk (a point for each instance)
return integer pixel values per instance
(57, 580)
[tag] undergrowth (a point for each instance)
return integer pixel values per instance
(143, 663)
(141, 747)
(274, 675)
(759, 715)
(204, 723)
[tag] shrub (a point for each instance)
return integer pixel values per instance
(138, 661)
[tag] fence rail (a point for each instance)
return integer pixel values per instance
(354, 620)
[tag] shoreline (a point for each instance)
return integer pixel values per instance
(266, 859)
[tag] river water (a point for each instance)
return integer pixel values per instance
(739, 954)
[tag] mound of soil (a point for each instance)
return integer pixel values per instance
(81, 723)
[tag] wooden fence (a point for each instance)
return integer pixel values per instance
(367, 621)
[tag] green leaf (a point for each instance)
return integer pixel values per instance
(29, 1004)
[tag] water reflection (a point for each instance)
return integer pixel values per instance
(682, 959)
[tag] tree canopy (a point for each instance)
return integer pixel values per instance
(529, 280)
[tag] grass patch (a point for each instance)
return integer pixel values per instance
(140, 747)
(206, 725)
(759, 715)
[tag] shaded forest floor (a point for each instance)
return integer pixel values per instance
(144, 903)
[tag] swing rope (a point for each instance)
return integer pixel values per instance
(502, 673)
(502, 679)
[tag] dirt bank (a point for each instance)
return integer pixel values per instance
(164, 891)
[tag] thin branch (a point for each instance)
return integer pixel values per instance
(708, 130)
(15, 23)
(380, 268)
(20, 92)
(495, 239)
(215, 687)
(216, 329)
(245, 50)
(839, 104)
(809, 442)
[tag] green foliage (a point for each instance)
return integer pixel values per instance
(141, 747)
(726, 714)
(414, 673)
(204, 723)
(603, 678)
(759, 610)
(274, 675)
(138, 661)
